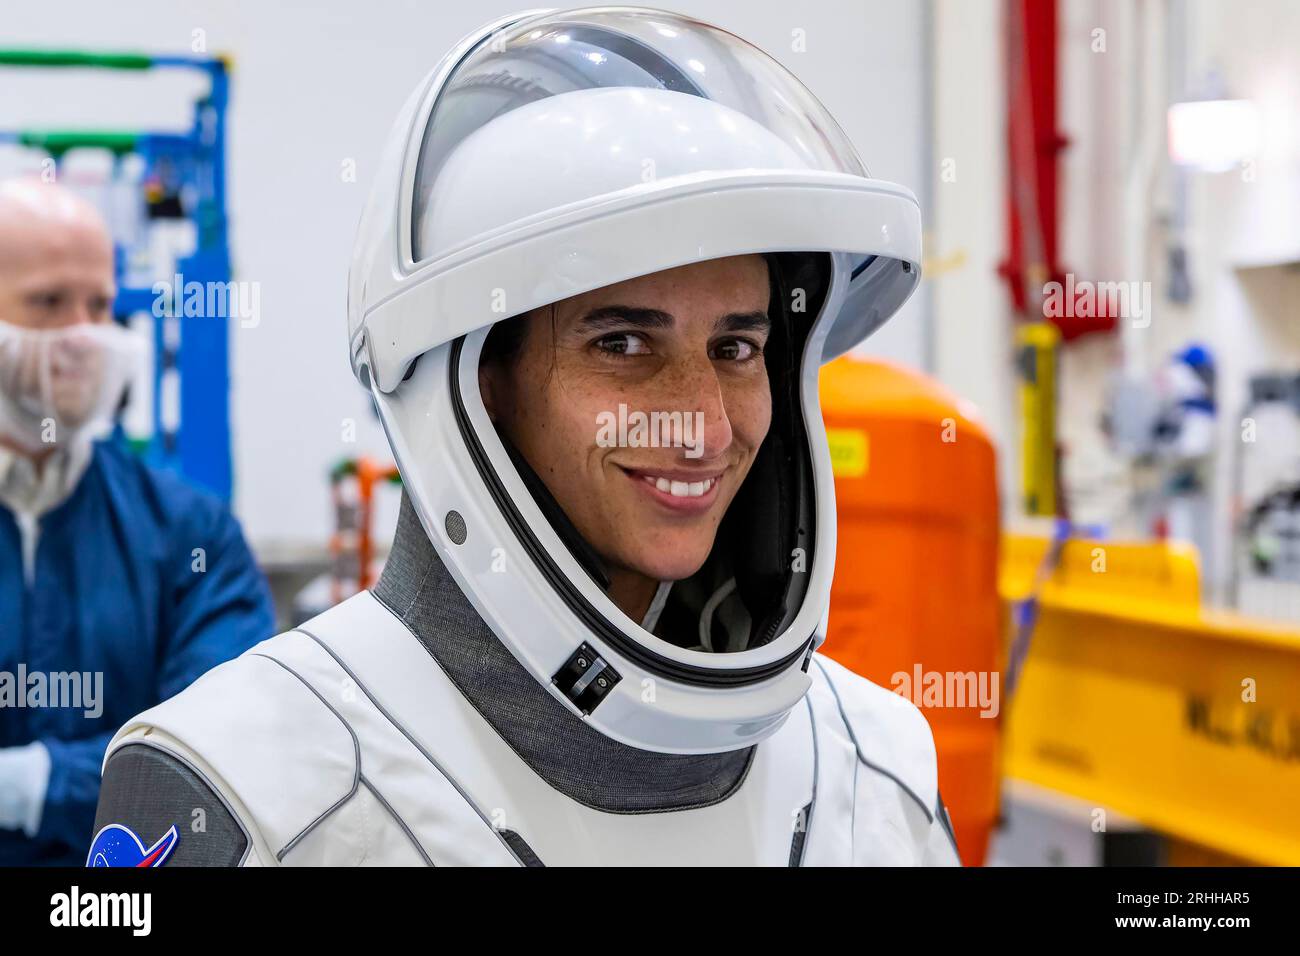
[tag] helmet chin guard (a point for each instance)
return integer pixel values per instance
(554, 153)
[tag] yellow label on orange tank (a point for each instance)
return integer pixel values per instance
(848, 452)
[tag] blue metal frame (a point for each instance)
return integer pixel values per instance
(199, 448)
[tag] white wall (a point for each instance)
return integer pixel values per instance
(316, 85)
(1247, 228)
(1241, 233)
(1242, 227)
(972, 309)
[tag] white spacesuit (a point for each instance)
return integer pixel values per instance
(489, 702)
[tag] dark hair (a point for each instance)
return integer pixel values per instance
(505, 339)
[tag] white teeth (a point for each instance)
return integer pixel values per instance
(681, 489)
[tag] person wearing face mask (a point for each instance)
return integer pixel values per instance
(605, 255)
(104, 608)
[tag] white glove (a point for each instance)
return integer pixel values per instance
(24, 777)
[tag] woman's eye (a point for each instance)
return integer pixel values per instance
(623, 343)
(735, 350)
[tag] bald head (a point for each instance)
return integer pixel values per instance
(56, 257)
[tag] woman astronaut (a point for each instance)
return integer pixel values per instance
(582, 650)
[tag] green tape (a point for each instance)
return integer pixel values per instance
(74, 58)
(58, 142)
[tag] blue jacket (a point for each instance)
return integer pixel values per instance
(119, 589)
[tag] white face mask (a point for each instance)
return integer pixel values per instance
(58, 386)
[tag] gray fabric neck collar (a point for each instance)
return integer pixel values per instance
(570, 755)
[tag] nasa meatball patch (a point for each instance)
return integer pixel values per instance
(116, 845)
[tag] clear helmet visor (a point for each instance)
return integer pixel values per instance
(583, 104)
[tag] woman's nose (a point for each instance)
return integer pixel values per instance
(692, 388)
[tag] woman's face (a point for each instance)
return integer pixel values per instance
(686, 344)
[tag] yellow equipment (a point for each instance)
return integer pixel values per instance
(1037, 346)
(1135, 698)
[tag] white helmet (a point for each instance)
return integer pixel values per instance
(555, 152)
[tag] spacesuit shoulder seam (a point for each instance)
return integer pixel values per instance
(175, 718)
(918, 782)
(356, 760)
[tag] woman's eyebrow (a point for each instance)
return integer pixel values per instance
(745, 322)
(623, 316)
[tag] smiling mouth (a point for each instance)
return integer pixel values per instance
(677, 490)
(680, 489)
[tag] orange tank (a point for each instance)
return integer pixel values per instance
(914, 606)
